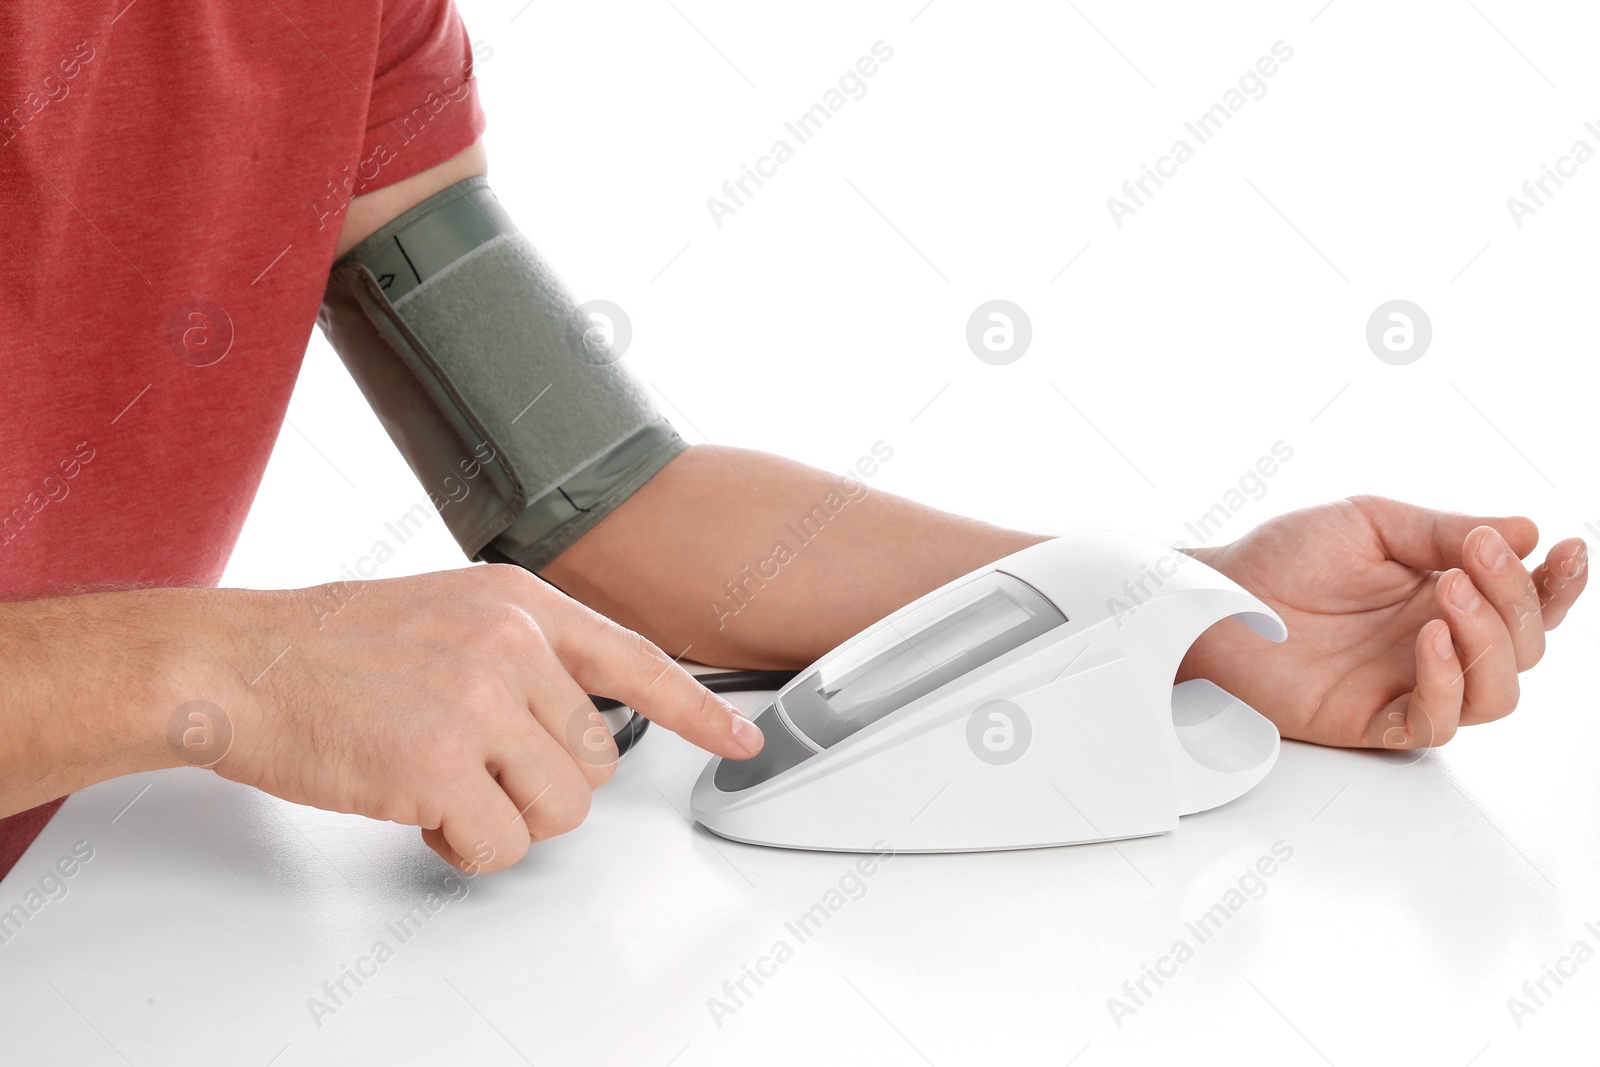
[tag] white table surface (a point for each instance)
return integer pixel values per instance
(1419, 897)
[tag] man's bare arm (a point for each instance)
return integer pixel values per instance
(742, 559)
(454, 702)
(87, 689)
(1386, 602)
(89, 681)
(368, 214)
(693, 559)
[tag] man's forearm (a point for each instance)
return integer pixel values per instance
(743, 559)
(86, 693)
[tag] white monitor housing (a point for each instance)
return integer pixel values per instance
(1029, 703)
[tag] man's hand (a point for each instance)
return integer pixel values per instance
(454, 702)
(1379, 653)
(1404, 623)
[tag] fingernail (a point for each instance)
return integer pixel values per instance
(1492, 550)
(1441, 642)
(1576, 562)
(1463, 594)
(748, 734)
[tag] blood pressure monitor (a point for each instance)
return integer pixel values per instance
(1031, 702)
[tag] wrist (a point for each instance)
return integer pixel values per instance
(1197, 662)
(221, 647)
(114, 681)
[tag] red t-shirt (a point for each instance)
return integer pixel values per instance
(172, 183)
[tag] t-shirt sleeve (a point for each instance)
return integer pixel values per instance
(424, 107)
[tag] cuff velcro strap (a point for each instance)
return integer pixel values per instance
(477, 363)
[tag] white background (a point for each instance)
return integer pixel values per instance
(829, 313)
(1187, 342)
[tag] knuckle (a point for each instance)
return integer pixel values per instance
(1431, 732)
(596, 775)
(564, 810)
(452, 749)
(517, 588)
(709, 712)
(1497, 709)
(487, 857)
(478, 692)
(535, 638)
(508, 576)
(645, 658)
(590, 742)
(527, 591)
(1441, 736)
(1424, 727)
(499, 627)
(390, 808)
(1505, 702)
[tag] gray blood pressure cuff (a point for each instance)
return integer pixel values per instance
(504, 397)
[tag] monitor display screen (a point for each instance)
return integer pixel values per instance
(986, 618)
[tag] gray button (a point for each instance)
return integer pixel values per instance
(781, 751)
